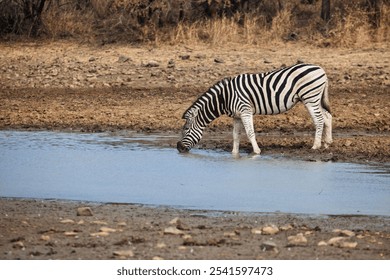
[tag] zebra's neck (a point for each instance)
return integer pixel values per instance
(211, 104)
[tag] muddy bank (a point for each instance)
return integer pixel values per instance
(361, 131)
(34, 229)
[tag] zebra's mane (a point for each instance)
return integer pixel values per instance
(197, 104)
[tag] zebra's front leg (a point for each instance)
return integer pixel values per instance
(247, 121)
(236, 136)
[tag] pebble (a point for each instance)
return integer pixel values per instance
(286, 227)
(322, 243)
(297, 240)
(84, 211)
(161, 245)
(347, 233)
(107, 229)
(124, 253)
(348, 244)
(152, 63)
(45, 237)
(347, 143)
(70, 233)
(270, 230)
(123, 59)
(268, 246)
(342, 242)
(18, 245)
(185, 56)
(67, 221)
(100, 234)
(256, 231)
(219, 60)
(99, 222)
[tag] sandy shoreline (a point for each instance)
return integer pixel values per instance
(47, 229)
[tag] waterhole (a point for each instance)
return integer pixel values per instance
(127, 167)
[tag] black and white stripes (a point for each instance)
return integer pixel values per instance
(266, 93)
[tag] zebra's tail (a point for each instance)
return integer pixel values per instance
(325, 98)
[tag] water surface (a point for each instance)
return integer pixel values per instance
(132, 168)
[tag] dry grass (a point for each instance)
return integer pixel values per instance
(173, 22)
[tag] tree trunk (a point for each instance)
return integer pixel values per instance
(374, 9)
(325, 10)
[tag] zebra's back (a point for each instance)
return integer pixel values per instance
(278, 91)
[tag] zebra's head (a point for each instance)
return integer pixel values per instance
(192, 131)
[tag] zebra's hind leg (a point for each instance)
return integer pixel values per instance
(237, 124)
(317, 116)
(247, 121)
(327, 128)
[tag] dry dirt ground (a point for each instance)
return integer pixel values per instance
(70, 87)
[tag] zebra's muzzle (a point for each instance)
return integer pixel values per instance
(181, 148)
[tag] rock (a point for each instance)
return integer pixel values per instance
(84, 211)
(270, 230)
(161, 245)
(175, 221)
(268, 246)
(299, 61)
(347, 143)
(219, 60)
(230, 234)
(92, 58)
(348, 244)
(107, 229)
(45, 237)
(157, 258)
(347, 233)
(122, 224)
(179, 224)
(70, 233)
(322, 243)
(152, 63)
(256, 231)
(297, 240)
(171, 63)
(185, 56)
(335, 241)
(99, 222)
(173, 231)
(67, 221)
(123, 59)
(124, 253)
(18, 245)
(100, 234)
(187, 237)
(342, 242)
(286, 227)
(266, 61)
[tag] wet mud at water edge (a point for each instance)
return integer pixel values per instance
(132, 168)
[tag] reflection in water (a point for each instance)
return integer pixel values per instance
(130, 168)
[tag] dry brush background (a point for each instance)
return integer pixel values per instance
(345, 23)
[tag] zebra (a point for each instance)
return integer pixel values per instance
(270, 93)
